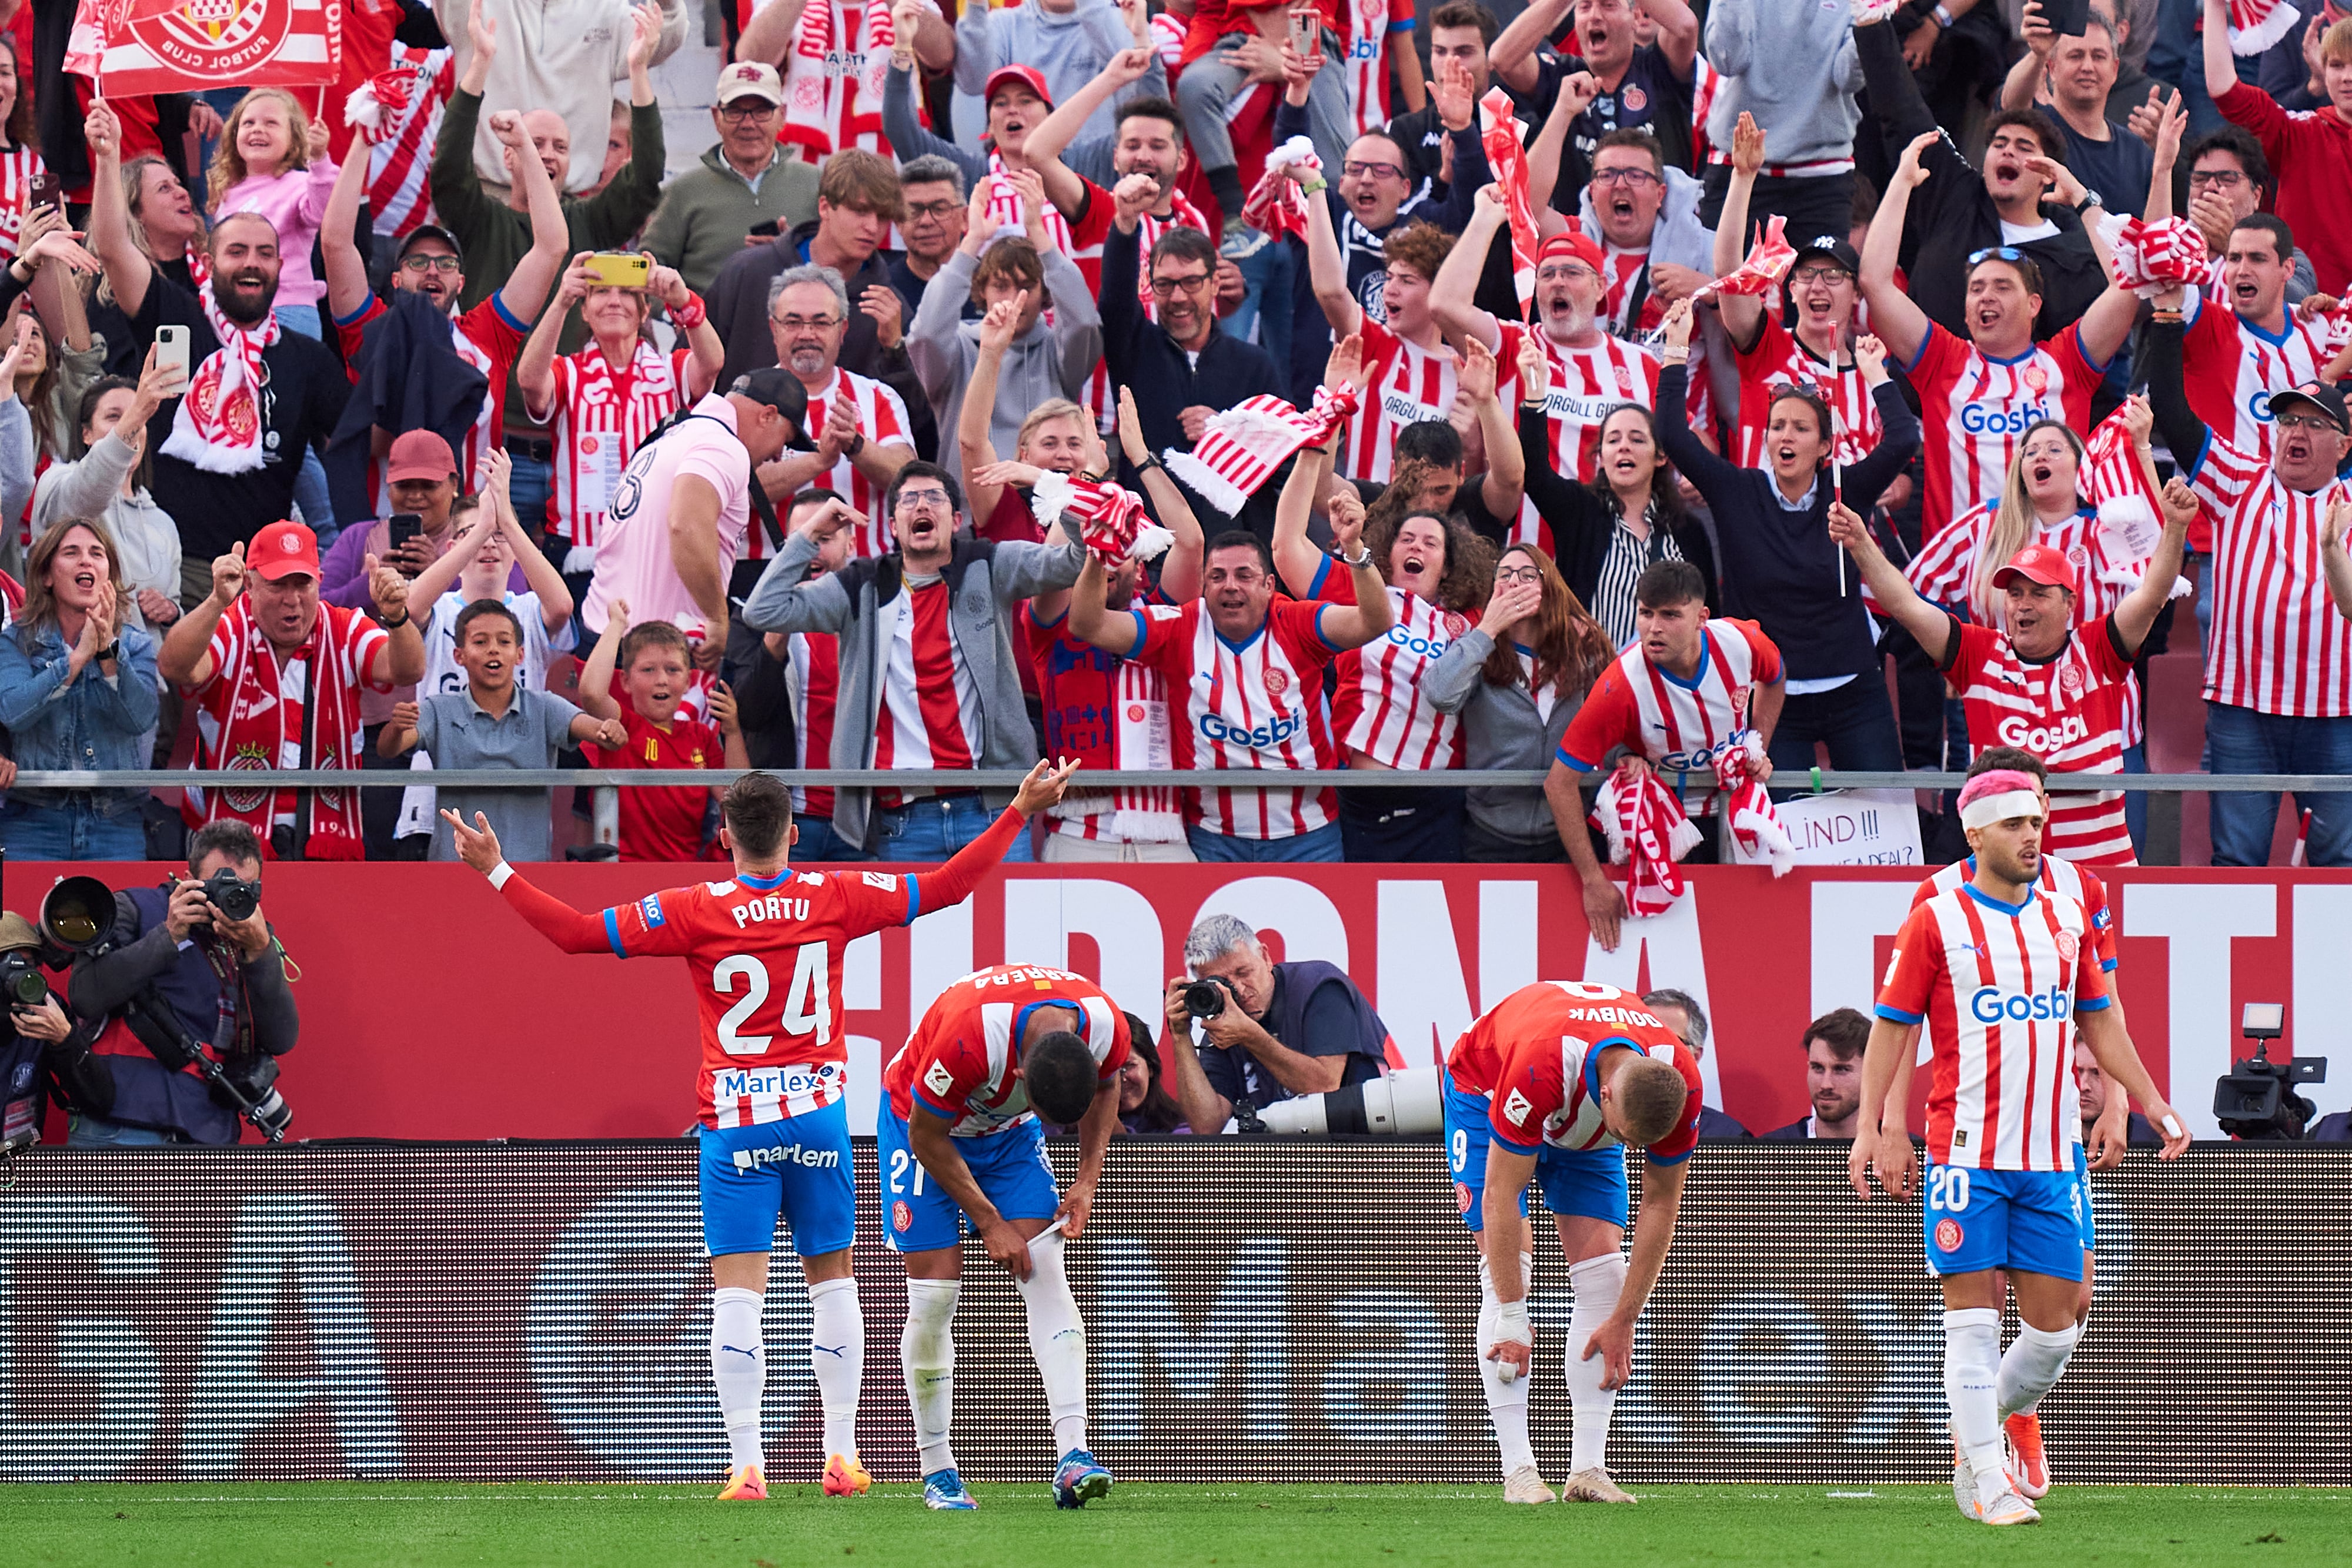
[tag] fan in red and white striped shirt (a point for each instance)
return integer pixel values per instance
(2247, 344)
(1813, 353)
(607, 399)
(19, 167)
(881, 431)
(2278, 646)
(400, 155)
(1408, 369)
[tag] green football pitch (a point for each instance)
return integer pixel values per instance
(357, 1525)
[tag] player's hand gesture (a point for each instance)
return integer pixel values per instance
(1006, 1248)
(477, 846)
(2167, 1121)
(1041, 789)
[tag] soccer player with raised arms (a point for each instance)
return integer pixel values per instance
(765, 946)
(1555, 1080)
(2004, 974)
(959, 1146)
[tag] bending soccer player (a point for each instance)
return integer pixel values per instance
(2004, 974)
(1552, 1082)
(2102, 1148)
(960, 1147)
(765, 947)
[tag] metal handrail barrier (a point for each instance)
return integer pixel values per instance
(1007, 778)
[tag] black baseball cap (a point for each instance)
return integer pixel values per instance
(779, 390)
(430, 231)
(2327, 399)
(1832, 247)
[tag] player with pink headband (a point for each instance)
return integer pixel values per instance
(2003, 975)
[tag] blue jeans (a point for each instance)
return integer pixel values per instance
(1855, 720)
(1272, 277)
(931, 830)
(1224, 849)
(2240, 740)
(73, 831)
(529, 485)
(2136, 800)
(819, 843)
(97, 1132)
(310, 485)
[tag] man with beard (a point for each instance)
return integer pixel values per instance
(429, 266)
(864, 435)
(928, 676)
(1834, 1046)
(1591, 373)
(1965, 211)
(1183, 368)
(259, 396)
(2245, 345)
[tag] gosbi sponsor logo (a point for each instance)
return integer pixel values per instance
(1404, 638)
(1698, 760)
(2259, 405)
(787, 1155)
(782, 1083)
(2042, 739)
(1991, 1004)
(1265, 737)
(1981, 419)
(1949, 1235)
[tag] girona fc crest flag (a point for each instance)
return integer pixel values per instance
(129, 47)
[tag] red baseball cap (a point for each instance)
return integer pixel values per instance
(282, 550)
(419, 454)
(1575, 246)
(1029, 77)
(2040, 563)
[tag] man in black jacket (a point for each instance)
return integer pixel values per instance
(1966, 211)
(1181, 368)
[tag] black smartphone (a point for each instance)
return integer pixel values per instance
(2067, 18)
(405, 527)
(48, 191)
(764, 231)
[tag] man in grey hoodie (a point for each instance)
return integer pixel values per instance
(1791, 65)
(1044, 360)
(959, 705)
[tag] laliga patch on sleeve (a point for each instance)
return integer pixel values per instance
(938, 1079)
(883, 880)
(650, 907)
(1516, 1108)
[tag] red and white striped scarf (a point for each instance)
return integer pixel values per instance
(1647, 832)
(1112, 522)
(2116, 484)
(264, 728)
(399, 111)
(825, 112)
(2152, 258)
(1507, 157)
(218, 425)
(1011, 217)
(2256, 24)
(1277, 208)
(1748, 813)
(1240, 448)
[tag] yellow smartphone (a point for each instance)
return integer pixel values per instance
(619, 269)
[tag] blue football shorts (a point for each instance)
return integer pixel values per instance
(1008, 1164)
(2035, 1222)
(798, 1167)
(1589, 1183)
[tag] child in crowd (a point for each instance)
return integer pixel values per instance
(485, 544)
(654, 661)
(495, 721)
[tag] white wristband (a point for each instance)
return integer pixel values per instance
(1511, 1323)
(500, 872)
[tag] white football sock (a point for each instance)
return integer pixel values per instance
(1598, 1283)
(1057, 1338)
(837, 1355)
(2036, 1359)
(926, 1353)
(1506, 1403)
(738, 1366)
(1971, 1372)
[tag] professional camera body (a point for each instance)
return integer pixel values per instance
(79, 916)
(1208, 996)
(22, 983)
(2255, 1099)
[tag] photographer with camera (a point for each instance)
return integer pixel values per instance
(40, 1043)
(191, 982)
(1273, 1030)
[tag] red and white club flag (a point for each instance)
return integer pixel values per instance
(1507, 156)
(1276, 208)
(2256, 24)
(130, 47)
(2153, 258)
(1766, 266)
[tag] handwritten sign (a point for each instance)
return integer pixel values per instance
(1851, 827)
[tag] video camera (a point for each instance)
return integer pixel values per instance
(2255, 1099)
(1405, 1101)
(78, 915)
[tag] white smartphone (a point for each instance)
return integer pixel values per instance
(172, 350)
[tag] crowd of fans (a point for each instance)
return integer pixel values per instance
(1873, 386)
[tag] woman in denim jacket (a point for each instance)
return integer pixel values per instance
(78, 691)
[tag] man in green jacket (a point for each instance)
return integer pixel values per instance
(745, 181)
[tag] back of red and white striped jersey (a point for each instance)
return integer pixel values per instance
(400, 159)
(816, 692)
(1779, 358)
(1532, 1055)
(960, 1061)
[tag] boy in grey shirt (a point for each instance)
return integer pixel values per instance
(493, 724)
